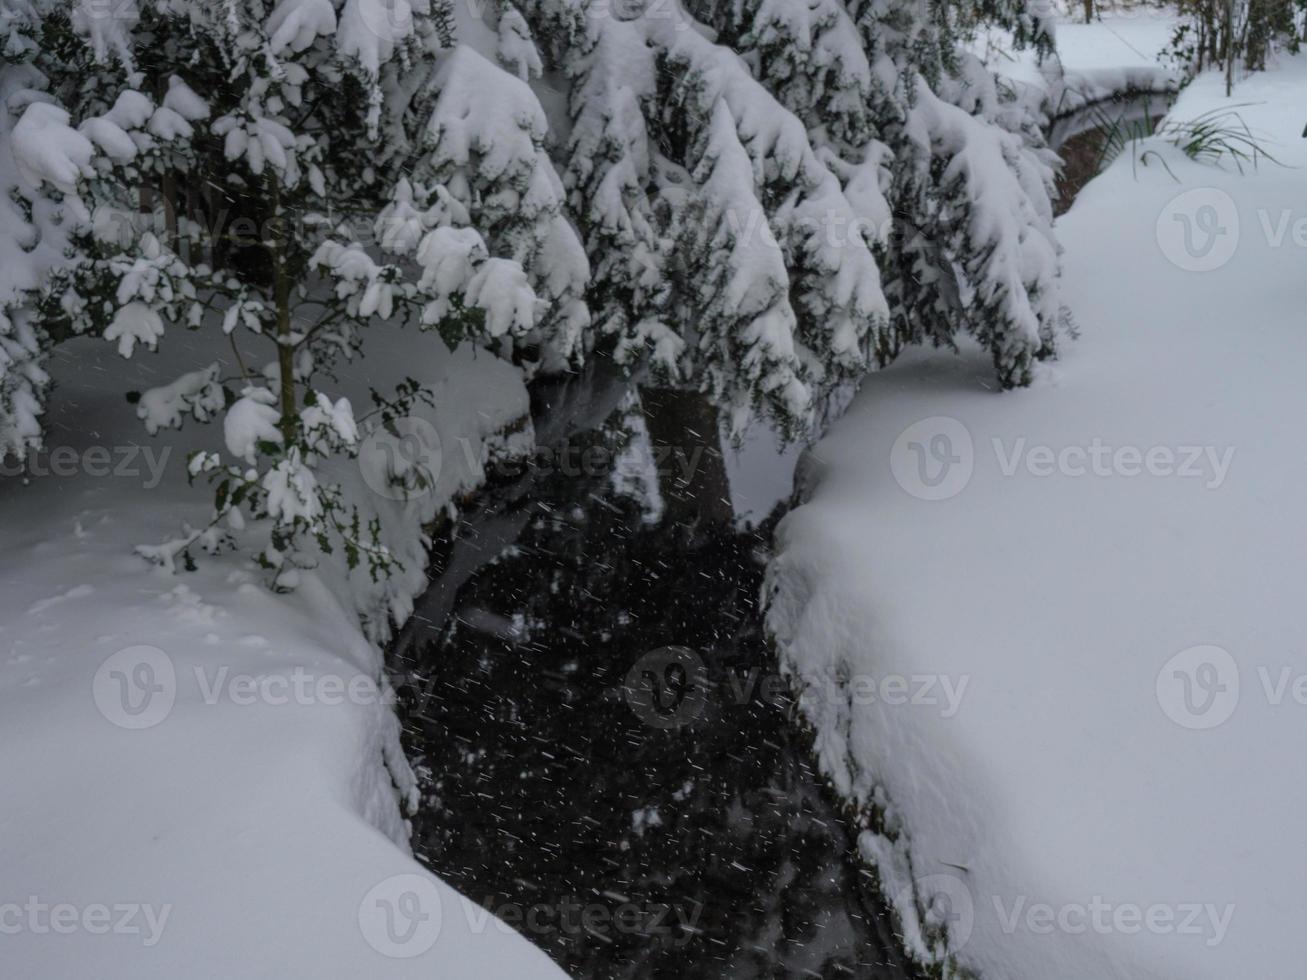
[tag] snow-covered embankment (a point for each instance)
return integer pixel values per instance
(202, 777)
(1109, 567)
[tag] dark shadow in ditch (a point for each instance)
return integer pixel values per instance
(1089, 138)
(607, 758)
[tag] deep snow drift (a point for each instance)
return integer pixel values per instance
(1110, 796)
(200, 775)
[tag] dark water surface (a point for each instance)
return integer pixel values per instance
(1087, 139)
(607, 758)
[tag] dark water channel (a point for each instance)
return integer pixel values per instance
(608, 760)
(1088, 138)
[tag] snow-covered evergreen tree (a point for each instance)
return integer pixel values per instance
(763, 199)
(777, 196)
(487, 136)
(312, 167)
(37, 146)
(701, 200)
(970, 180)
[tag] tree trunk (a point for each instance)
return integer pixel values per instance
(281, 295)
(683, 429)
(1229, 47)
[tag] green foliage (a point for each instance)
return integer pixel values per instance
(1212, 137)
(1216, 135)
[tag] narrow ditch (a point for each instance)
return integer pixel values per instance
(608, 760)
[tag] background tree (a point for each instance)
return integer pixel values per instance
(775, 211)
(1227, 33)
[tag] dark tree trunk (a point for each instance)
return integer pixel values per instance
(683, 428)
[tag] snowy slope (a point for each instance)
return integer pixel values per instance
(1103, 801)
(202, 778)
(1118, 53)
(243, 821)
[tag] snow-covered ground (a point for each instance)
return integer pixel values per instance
(1109, 568)
(1119, 53)
(202, 777)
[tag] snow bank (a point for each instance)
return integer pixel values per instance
(1102, 794)
(1118, 55)
(1115, 55)
(202, 777)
